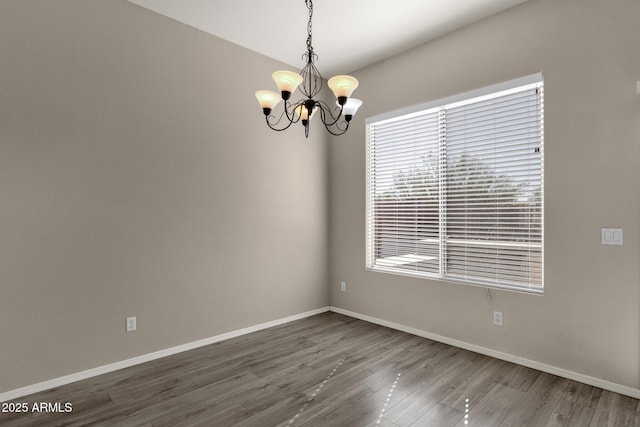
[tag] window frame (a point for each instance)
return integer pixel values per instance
(512, 86)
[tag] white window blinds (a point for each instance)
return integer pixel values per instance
(456, 191)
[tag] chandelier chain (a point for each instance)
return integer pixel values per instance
(310, 27)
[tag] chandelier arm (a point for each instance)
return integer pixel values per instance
(340, 131)
(293, 107)
(291, 120)
(273, 126)
(326, 110)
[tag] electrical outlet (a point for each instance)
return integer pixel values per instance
(343, 286)
(611, 236)
(497, 318)
(131, 324)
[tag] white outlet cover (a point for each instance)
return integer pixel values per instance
(497, 318)
(131, 324)
(611, 236)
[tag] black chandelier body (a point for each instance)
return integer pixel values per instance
(336, 120)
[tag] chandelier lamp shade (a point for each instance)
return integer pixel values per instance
(335, 119)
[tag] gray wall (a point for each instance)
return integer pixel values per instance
(588, 320)
(137, 178)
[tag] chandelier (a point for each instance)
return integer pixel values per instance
(335, 119)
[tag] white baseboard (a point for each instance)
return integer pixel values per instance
(67, 379)
(596, 382)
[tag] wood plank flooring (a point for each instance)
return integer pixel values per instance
(330, 370)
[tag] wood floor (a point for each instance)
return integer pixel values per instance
(330, 370)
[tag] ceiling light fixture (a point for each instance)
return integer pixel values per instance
(310, 82)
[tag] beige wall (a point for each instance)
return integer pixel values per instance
(137, 178)
(588, 320)
(128, 186)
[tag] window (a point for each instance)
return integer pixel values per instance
(455, 188)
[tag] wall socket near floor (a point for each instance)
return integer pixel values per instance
(343, 286)
(131, 324)
(497, 318)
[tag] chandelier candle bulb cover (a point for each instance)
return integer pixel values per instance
(302, 111)
(287, 82)
(350, 107)
(309, 83)
(343, 87)
(268, 100)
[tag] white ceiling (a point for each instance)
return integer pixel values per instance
(347, 34)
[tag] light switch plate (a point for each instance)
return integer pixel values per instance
(611, 236)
